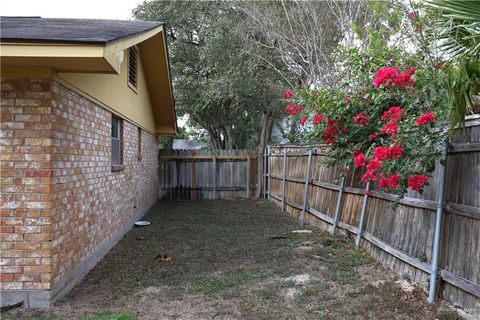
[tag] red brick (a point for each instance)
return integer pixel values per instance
(36, 285)
(38, 173)
(37, 237)
(6, 212)
(12, 269)
(37, 269)
(11, 285)
(28, 118)
(28, 229)
(28, 213)
(28, 102)
(6, 149)
(27, 277)
(6, 277)
(28, 245)
(7, 229)
(11, 237)
(12, 173)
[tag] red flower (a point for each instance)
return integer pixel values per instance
(330, 140)
(384, 182)
(393, 114)
(374, 164)
(303, 121)
(368, 193)
(361, 119)
(388, 76)
(372, 136)
(369, 175)
(331, 128)
(380, 153)
(404, 80)
(346, 99)
(345, 130)
(394, 152)
(417, 182)
(359, 160)
(390, 128)
(287, 94)
(317, 119)
(293, 108)
(393, 180)
(412, 15)
(425, 118)
(385, 76)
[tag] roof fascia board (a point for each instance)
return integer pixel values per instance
(125, 43)
(50, 50)
(169, 74)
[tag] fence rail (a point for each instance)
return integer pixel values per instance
(205, 174)
(400, 236)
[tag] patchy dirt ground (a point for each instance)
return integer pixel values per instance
(234, 260)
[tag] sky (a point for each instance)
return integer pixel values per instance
(93, 9)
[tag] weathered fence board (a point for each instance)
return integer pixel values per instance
(400, 236)
(205, 174)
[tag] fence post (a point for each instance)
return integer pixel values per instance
(361, 221)
(267, 174)
(307, 182)
(160, 176)
(438, 225)
(248, 176)
(264, 173)
(339, 204)
(284, 177)
(214, 175)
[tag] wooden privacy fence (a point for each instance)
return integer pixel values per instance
(205, 174)
(399, 236)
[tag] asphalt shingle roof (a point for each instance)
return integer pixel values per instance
(36, 29)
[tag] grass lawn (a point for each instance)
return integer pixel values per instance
(226, 265)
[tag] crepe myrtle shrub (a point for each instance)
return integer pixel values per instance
(392, 126)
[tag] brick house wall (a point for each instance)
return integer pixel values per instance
(62, 206)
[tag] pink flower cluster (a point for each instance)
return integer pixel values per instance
(317, 119)
(389, 181)
(293, 108)
(360, 119)
(303, 121)
(425, 118)
(287, 94)
(359, 160)
(390, 76)
(392, 115)
(417, 182)
(331, 131)
(379, 155)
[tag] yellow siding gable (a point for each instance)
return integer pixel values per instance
(113, 91)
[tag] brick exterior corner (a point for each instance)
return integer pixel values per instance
(62, 206)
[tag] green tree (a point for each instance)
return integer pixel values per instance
(221, 87)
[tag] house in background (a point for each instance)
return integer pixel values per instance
(82, 105)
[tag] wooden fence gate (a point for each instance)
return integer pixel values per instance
(205, 174)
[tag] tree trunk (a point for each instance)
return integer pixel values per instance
(265, 137)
